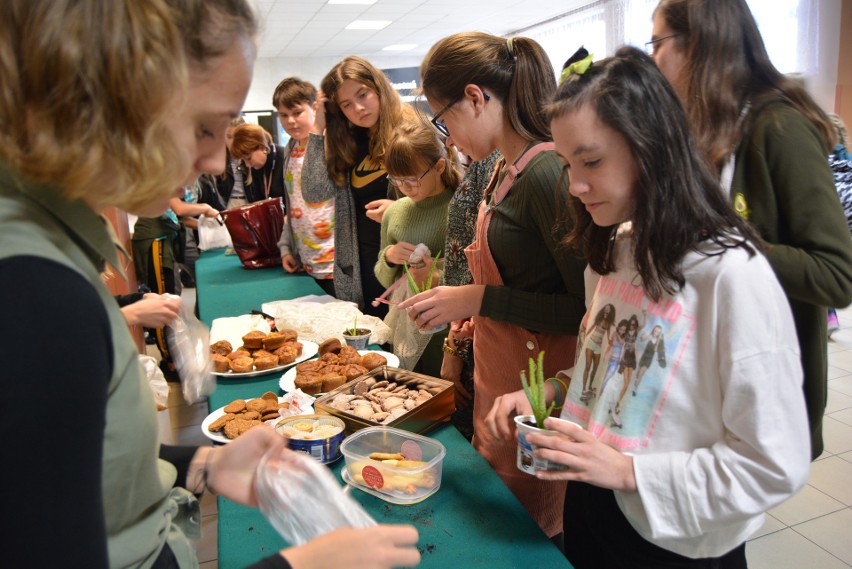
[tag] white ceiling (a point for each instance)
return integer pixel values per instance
(314, 28)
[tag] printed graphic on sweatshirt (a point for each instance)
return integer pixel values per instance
(628, 351)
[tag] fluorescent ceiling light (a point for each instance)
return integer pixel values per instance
(367, 2)
(368, 25)
(400, 47)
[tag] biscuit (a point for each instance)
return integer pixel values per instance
(256, 405)
(235, 406)
(270, 395)
(220, 422)
(250, 415)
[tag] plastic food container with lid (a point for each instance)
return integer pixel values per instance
(397, 466)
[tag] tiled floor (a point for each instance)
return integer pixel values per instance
(811, 530)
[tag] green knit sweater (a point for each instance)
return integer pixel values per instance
(412, 222)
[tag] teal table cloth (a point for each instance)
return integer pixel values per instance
(472, 521)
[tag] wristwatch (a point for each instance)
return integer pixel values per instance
(448, 349)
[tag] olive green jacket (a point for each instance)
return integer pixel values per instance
(782, 184)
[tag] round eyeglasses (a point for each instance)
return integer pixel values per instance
(412, 183)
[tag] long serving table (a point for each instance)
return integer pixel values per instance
(472, 521)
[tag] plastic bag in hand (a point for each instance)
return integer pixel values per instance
(189, 344)
(301, 498)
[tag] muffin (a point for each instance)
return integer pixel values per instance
(332, 381)
(242, 365)
(221, 364)
(273, 341)
(372, 360)
(309, 384)
(351, 371)
(222, 347)
(265, 362)
(254, 340)
(286, 354)
(332, 345)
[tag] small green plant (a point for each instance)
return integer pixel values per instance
(428, 284)
(354, 330)
(534, 389)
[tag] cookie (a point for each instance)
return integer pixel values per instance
(235, 406)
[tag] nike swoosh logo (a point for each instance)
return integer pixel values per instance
(359, 181)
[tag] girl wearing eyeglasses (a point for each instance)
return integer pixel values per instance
(527, 293)
(768, 142)
(357, 112)
(426, 173)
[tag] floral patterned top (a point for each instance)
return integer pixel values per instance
(312, 223)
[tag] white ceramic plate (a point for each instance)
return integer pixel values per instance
(309, 350)
(218, 436)
(288, 380)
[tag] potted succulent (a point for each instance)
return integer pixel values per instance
(534, 389)
(424, 286)
(356, 337)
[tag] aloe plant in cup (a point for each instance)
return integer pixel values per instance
(412, 284)
(534, 390)
(356, 337)
(416, 289)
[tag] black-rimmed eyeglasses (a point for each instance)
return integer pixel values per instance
(651, 46)
(440, 125)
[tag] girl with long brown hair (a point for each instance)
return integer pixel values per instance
(357, 112)
(768, 141)
(527, 294)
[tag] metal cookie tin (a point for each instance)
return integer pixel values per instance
(315, 442)
(420, 419)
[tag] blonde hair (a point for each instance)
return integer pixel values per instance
(340, 142)
(248, 138)
(88, 88)
(415, 146)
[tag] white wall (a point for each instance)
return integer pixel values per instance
(268, 72)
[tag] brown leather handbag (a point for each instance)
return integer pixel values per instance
(255, 229)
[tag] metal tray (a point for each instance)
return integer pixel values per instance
(435, 411)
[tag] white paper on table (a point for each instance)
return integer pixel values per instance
(234, 328)
(319, 320)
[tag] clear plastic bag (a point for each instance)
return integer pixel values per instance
(302, 499)
(189, 344)
(156, 381)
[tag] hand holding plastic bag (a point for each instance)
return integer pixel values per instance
(301, 498)
(190, 347)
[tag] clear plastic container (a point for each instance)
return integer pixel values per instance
(397, 466)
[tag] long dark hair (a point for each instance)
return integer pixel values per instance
(678, 201)
(726, 66)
